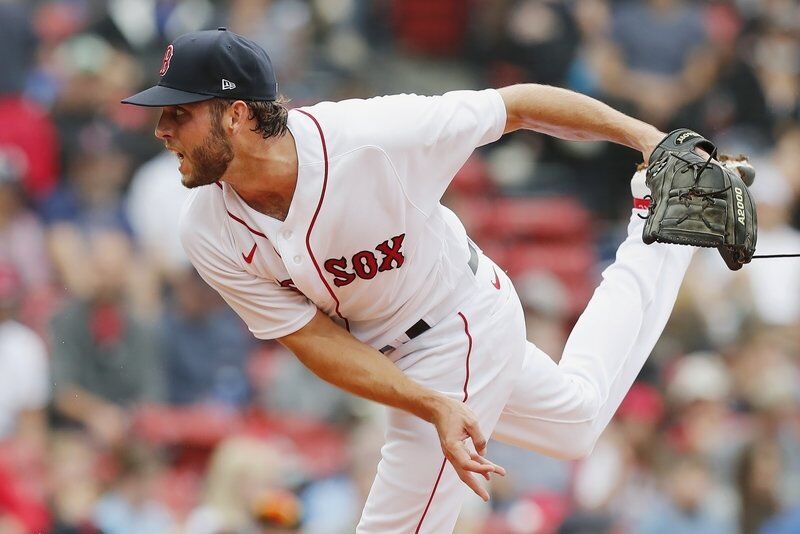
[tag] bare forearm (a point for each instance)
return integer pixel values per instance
(340, 359)
(573, 116)
(78, 403)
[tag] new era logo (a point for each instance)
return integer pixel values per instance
(227, 84)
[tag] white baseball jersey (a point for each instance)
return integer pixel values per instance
(366, 239)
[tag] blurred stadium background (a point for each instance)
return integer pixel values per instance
(133, 401)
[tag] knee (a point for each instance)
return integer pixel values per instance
(579, 436)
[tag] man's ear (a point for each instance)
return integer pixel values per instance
(237, 117)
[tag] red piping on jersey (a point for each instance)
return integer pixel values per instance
(240, 221)
(466, 396)
(256, 232)
(421, 519)
(469, 352)
(314, 218)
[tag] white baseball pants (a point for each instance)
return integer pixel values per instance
(480, 356)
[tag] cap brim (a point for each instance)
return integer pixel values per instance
(160, 95)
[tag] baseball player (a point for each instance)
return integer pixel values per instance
(322, 227)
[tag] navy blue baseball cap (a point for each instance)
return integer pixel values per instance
(208, 64)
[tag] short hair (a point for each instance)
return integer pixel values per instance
(270, 116)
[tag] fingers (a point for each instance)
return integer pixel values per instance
(465, 463)
(455, 425)
(474, 432)
(495, 468)
(466, 476)
(473, 484)
(743, 167)
(460, 456)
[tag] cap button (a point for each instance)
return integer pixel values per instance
(222, 29)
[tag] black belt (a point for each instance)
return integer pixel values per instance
(421, 326)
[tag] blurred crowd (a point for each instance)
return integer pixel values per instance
(132, 400)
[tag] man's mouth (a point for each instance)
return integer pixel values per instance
(177, 153)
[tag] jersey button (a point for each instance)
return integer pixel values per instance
(297, 259)
(287, 234)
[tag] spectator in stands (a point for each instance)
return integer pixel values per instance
(241, 472)
(105, 361)
(281, 26)
(24, 391)
(89, 203)
(333, 504)
(22, 237)
(773, 285)
(735, 105)
(284, 386)
(24, 377)
(205, 346)
(29, 132)
(702, 422)
(661, 61)
(129, 507)
(776, 55)
(619, 478)
(19, 46)
(91, 196)
(537, 40)
(685, 506)
(74, 483)
(153, 205)
(757, 479)
(27, 129)
(767, 290)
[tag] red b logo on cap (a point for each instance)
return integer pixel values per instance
(165, 62)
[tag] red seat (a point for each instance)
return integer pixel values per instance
(541, 218)
(195, 425)
(433, 28)
(560, 258)
(321, 446)
(472, 179)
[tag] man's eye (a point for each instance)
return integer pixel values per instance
(179, 112)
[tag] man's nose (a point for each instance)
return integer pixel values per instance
(163, 129)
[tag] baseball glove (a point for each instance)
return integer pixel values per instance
(698, 201)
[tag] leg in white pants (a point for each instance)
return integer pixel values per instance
(561, 410)
(473, 356)
(517, 392)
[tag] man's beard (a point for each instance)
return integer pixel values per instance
(210, 160)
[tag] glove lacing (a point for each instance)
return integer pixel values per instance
(694, 191)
